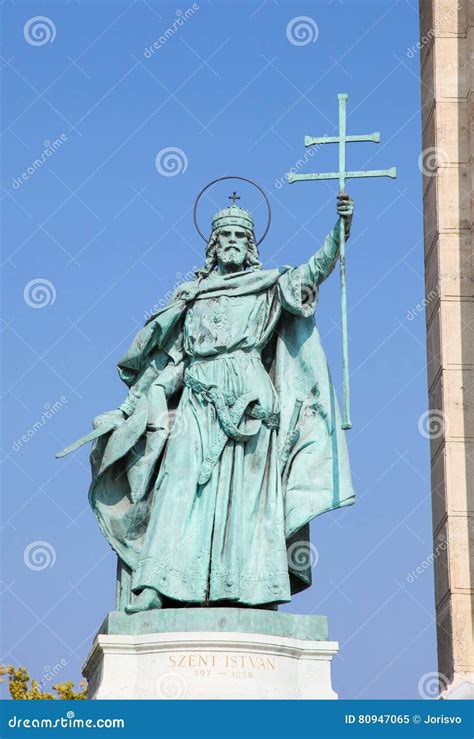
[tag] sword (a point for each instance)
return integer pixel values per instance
(292, 434)
(95, 434)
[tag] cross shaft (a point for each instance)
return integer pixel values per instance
(392, 172)
(342, 175)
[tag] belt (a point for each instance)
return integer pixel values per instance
(230, 410)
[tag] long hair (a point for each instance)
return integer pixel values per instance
(251, 262)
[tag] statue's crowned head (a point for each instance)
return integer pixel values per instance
(232, 241)
(233, 216)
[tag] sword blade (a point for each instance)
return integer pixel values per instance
(95, 434)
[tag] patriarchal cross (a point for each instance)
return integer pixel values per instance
(342, 175)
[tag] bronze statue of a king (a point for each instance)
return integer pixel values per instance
(229, 441)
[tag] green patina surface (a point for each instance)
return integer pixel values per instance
(241, 620)
(227, 445)
(229, 442)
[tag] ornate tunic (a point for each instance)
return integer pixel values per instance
(217, 523)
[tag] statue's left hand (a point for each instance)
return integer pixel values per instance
(117, 417)
(345, 210)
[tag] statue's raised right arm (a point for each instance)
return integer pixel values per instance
(322, 263)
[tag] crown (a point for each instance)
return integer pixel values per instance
(233, 216)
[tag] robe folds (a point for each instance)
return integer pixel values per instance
(250, 443)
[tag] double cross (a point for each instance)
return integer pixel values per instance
(342, 175)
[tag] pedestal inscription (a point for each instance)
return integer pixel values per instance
(213, 664)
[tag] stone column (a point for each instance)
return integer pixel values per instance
(447, 46)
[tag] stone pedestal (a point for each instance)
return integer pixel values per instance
(461, 688)
(211, 653)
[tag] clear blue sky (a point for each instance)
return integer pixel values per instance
(111, 236)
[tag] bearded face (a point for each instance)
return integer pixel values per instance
(232, 247)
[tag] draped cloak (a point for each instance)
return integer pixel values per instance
(311, 466)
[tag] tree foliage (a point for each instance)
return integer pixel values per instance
(24, 688)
